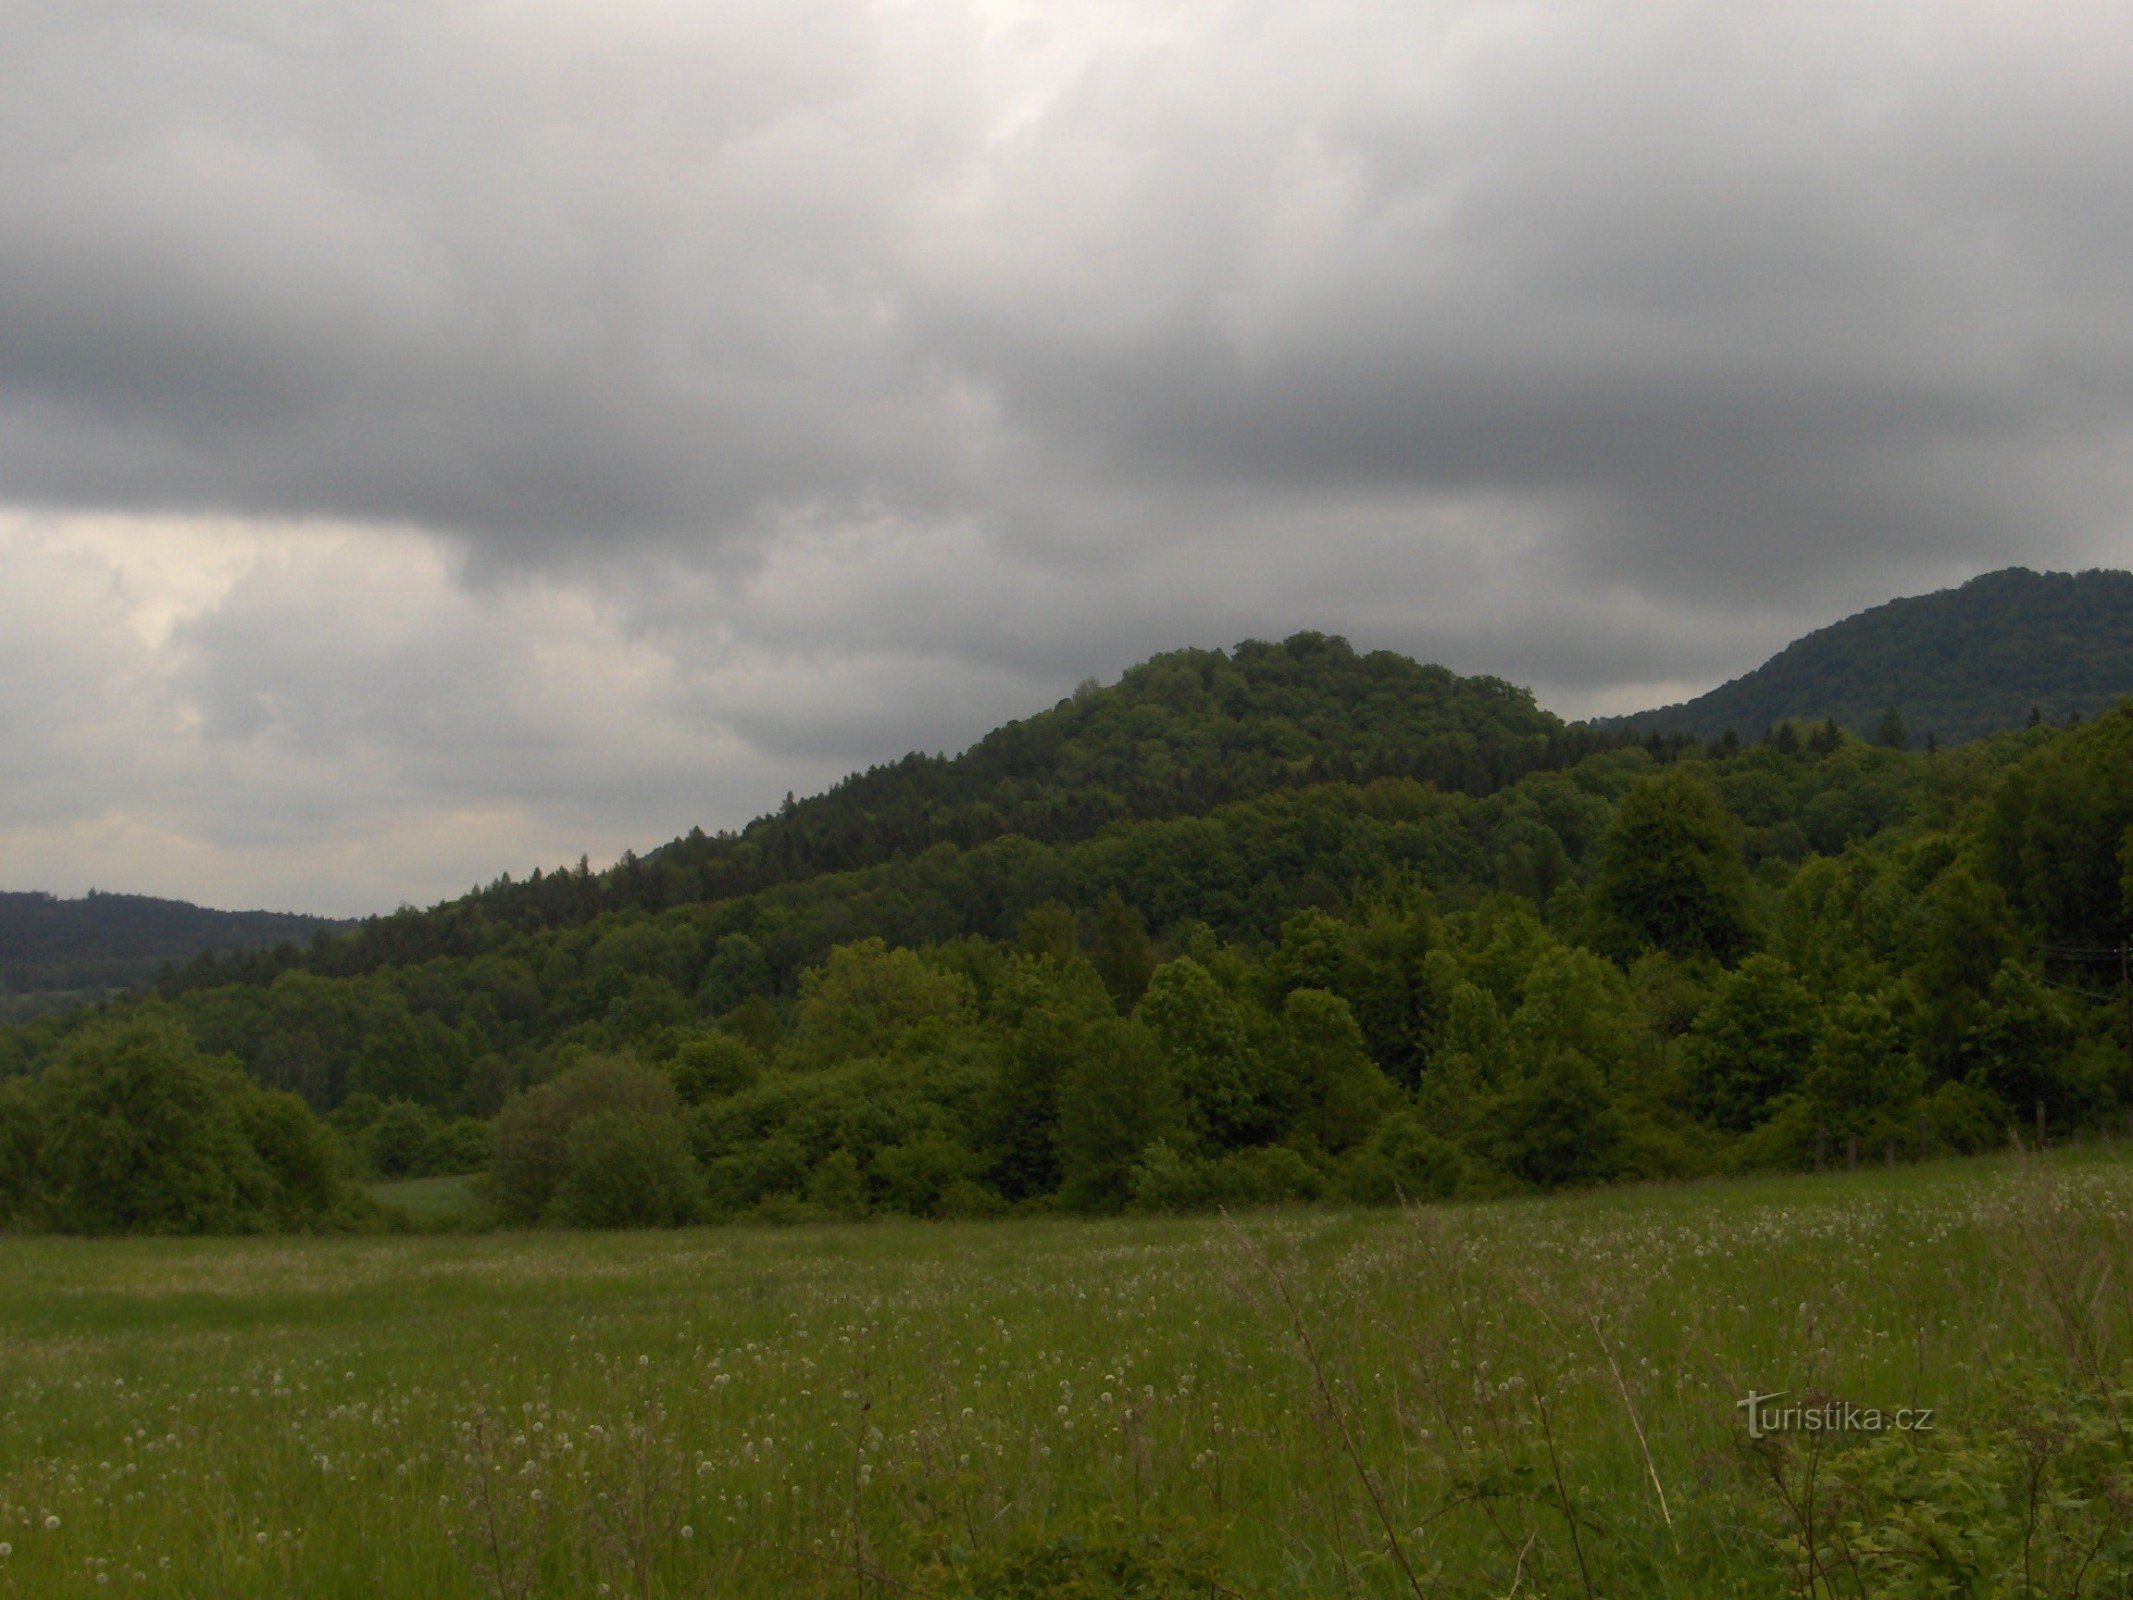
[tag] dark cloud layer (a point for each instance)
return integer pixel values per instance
(442, 434)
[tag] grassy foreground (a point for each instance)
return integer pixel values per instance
(1535, 1397)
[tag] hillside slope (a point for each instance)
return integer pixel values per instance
(1958, 664)
(1179, 735)
(53, 951)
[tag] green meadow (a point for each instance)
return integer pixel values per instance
(1537, 1397)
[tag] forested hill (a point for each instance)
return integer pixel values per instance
(55, 947)
(1957, 664)
(1178, 735)
(1659, 958)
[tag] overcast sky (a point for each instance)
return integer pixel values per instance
(440, 439)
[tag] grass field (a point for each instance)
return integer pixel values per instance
(1537, 1398)
(434, 1202)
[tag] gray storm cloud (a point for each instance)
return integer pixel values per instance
(448, 437)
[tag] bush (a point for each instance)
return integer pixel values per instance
(1405, 1161)
(1558, 1125)
(1264, 1175)
(1967, 1119)
(397, 1143)
(461, 1146)
(708, 1065)
(298, 1152)
(629, 1169)
(915, 1174)
(839, 1187)
(21, 1131)
(533, 1131)
(145, 1134)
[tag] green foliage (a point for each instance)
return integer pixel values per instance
(838, 1186)
(1115, 1101)
(1121, 954)
(1049, 930)
(2055, 835)
(1556, 1124)
(1863, 1081)
(765, 1143)
(628, 1169)
(1356, 982)
(460, 1146)
(141, 1133)
(707, 1064)
(1966, 1119)
(1752, 1043)
(917, 1173)
(1404, 1161)
(1169, 1180)
(1227, 1095)
(533, 1134)
(103, 942)
(1575, 1000)
(1044, 1012)
(1669, 876)
(2030, 1499)
(1341, 1094)
(864, 997)
(21, 1134)
(1963, 663)
(397, 1143)
(2018, 1047)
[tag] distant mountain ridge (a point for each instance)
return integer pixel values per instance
(1958, 664)
(67, 950)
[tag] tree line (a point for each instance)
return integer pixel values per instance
(1663, 959)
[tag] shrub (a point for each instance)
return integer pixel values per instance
(397, 1143)
(1752, 1044)
(1966, 1118)
(915, 1174)
(461, 1146)
(1405, 1161)
(1114, 1101)
(299, 1155)
(839, 1187)
(1557, 1124)
(145, 1134)
(708, 1065)
(21, 1131)
(533, 1131)
(866, 995)
(629, 1169)
(1264, 1175)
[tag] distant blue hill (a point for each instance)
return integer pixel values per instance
(1957, 664)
